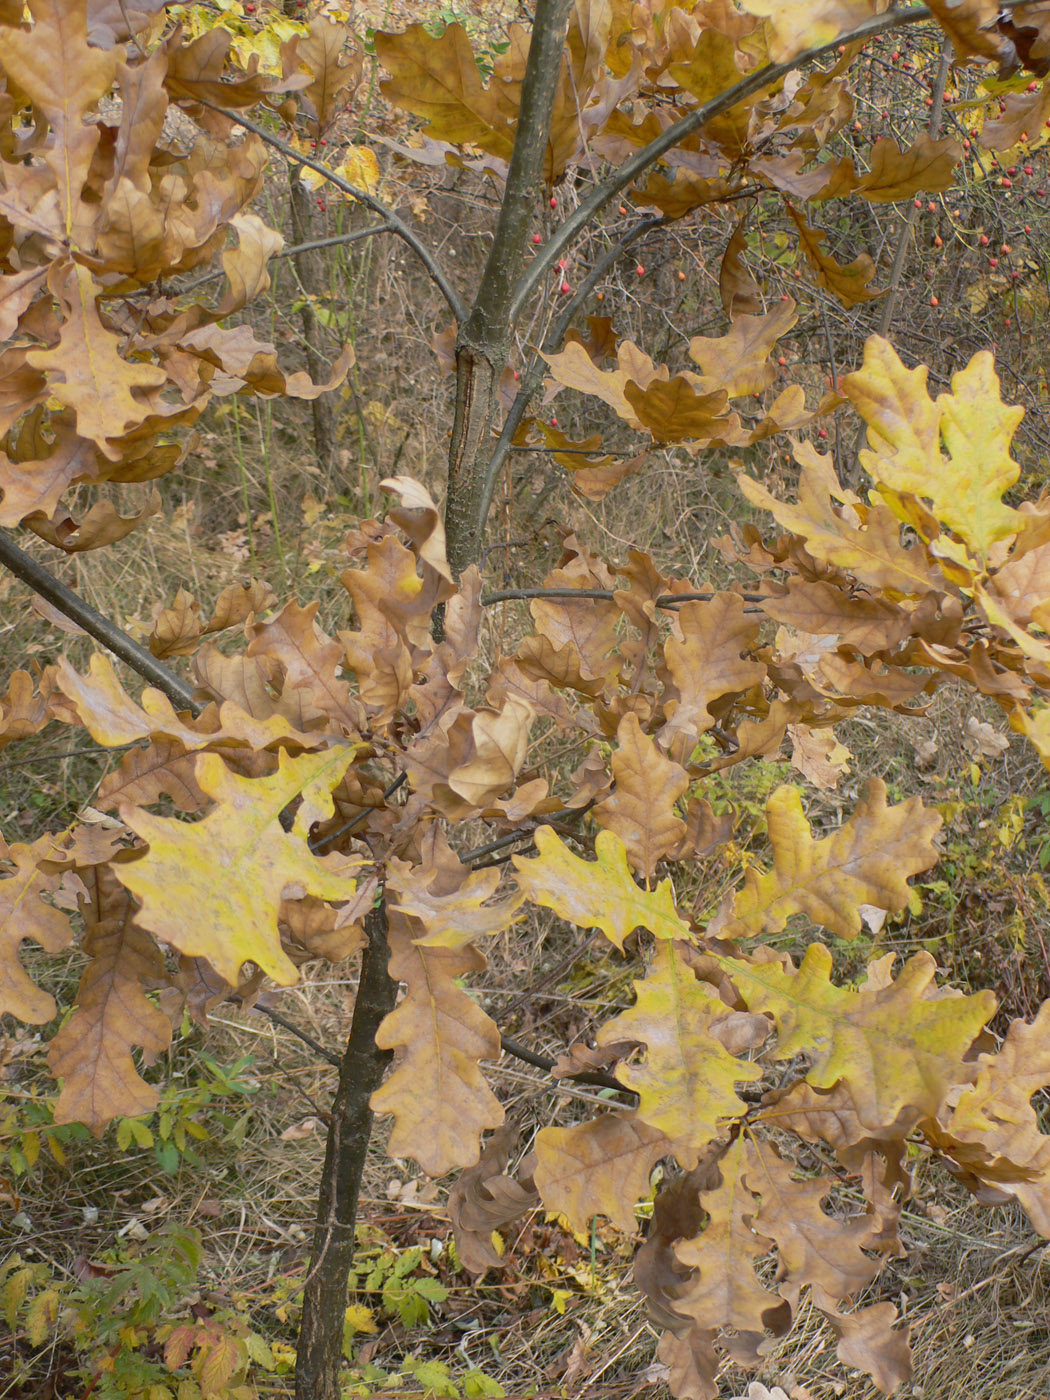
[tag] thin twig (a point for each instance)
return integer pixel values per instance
(397, 224)
(583, 1076)
(665, 600)
(312, 246)
(114, 638)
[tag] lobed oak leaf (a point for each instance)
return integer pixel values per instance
(681, 195)
(309, 660)
(574, 368)
(53, 66)
(972, 26)
(86, 371)
(237, 602)
(740, 293)
(331, 58)
(897, 1047)
(738, 361)
(245, 266)
(868, 1341)
(163, 768)
(685, 1083)
(439, 80)
(600, 893)
(100, 703)
(102, 525)
(723, 1289)
(485, 1199)
(177, 630)
(673, 411)
(814, 1248)
(237, 861)
(705, 662)
(993, 1132)
(927, 164)
(793, 27)
(847, 281)
(436, 1093)
(818, 755)
(91, 1053)
(905, 429)
(867, 861)
(449, 900)
(598, 1167)
(22, 710)
(641, 809)
(864, 541)
(24, 914)
(421, 521)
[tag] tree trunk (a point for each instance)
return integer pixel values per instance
(320, 1350)
(484, 340)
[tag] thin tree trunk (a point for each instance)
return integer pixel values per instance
(484, 341)
(309, 268)
(320, 1350)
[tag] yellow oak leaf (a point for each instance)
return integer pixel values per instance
(598, 893)
(685, 1084)
(895, 1045)
(965, 483)
(867, 861)
(234, 865)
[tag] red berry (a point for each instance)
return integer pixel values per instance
(983, 240)
(918, 204)
(554, 201)
(993, 262)
(537, 238)
(1005, 248)
(1011, 170)
(1014, 275)
(640, 270)
(932, 207)
(565, 289)
(1028, 170)
(938, 241)
(1007, 183)
(935, 301)
(966, 143)
(517, 375)
(781, 360)
(822, 432)
(1033, 86)
(622, 210)
(562, 264)
(554, 422)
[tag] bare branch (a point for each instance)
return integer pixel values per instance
(112, 637)
(396, 224)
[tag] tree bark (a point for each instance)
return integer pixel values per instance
(309, 268)
(484, 339)
(320, 1350)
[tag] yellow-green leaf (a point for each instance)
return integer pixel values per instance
(234, 865)
(598, 893)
